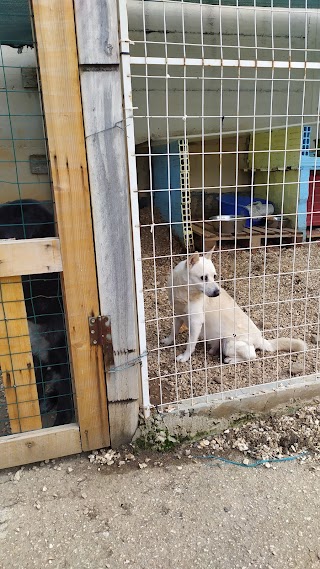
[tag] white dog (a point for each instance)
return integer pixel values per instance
(209, 311)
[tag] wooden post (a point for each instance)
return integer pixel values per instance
(16, 360)
(58, 61)
(98, 48)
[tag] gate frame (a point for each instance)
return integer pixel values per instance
(54, 26)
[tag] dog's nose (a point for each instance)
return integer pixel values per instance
(216, 292)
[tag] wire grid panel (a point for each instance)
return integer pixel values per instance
(239, 86)
(35, 383)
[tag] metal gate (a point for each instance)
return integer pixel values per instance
(222, 118)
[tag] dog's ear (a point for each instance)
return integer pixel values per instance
(209, 254)
(193, 259)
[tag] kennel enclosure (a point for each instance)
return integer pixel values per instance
(237, 83)
(154, 111)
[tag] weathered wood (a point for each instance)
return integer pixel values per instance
(58, 61)
(16, 360)
(27, 448)
(30, 256)
(97, 32)
(257, 235)
(107, 162)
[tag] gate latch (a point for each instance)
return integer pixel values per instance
(100, 335)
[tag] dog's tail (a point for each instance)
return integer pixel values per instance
(284, 345)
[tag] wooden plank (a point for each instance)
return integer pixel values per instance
(27, 448)
(109, 182)
(16, 360)
(57, 54)
(198, 229)
(97, 32)
(257, 236)
(30, 256)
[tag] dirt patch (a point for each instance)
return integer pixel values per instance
(277, 286)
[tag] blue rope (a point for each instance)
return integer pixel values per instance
(253, 464)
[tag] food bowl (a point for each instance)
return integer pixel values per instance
(227, 223)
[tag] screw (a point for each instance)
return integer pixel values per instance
(92, 320)
(92, 332)
(94, 342)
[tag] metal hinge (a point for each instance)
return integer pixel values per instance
(100, 335)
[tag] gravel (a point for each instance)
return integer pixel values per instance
(274, 286)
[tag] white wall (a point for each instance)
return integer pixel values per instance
(244, 97)
(25, 125)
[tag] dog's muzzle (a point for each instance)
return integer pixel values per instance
(212, 293)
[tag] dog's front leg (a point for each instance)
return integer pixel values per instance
(169, 341)
(195, 329)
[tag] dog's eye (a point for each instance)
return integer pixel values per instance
(205, 278)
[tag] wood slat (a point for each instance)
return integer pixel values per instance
(102, 96)
(27, 448)
(97, 32)
(30, 256)
(16, 360)
(58, 61)
(257, 235)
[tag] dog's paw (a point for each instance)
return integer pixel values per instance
(167, 341)
(183, 358)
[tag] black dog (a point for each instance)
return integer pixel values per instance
(27, 219)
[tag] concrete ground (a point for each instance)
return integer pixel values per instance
(180, 515)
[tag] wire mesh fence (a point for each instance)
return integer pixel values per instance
(224, 126)
(35, 383)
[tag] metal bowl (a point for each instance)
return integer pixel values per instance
(227, 223)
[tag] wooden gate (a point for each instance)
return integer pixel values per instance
(72, 253)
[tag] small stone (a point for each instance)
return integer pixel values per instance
(267, 465)
(50, 546)
(142, 465)
(17, 476)
(84, 495)
(44, 489)
(130, 456)
(246, 461)
(37, 506)
(121, 462)
(69, 469)
(187, 452)
(179, 467)
(205, 443)
(315, 338)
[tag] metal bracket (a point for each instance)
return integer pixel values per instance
(100, 335)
